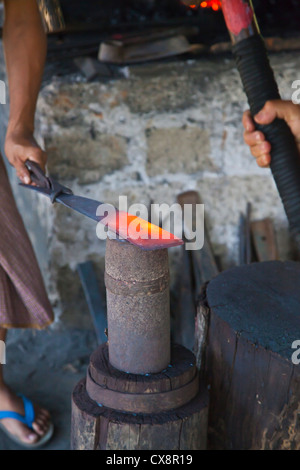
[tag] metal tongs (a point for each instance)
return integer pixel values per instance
(149, 236)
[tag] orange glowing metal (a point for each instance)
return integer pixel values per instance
(140, 232)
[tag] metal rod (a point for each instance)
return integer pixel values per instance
(240, 19)
(138, 308)
(94, 299)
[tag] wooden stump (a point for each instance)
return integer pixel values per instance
(112, 410)
(248, 319)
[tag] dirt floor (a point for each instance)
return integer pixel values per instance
(45, 366)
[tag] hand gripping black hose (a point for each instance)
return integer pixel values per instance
(260, 86)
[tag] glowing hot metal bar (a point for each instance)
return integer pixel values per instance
(135, 230)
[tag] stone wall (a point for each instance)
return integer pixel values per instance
(161, 129)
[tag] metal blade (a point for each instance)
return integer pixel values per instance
(135, 230)
(85, 206)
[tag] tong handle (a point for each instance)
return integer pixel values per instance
(37, 175)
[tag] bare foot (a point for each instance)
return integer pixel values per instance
(9, 401)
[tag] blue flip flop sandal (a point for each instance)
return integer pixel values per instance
(26, 419)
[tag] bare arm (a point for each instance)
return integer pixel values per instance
(25, 47)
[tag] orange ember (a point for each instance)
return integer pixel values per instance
(216, 5)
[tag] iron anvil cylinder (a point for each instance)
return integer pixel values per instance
(139, 392)
(138, 308)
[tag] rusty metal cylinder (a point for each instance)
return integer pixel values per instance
(138, 308)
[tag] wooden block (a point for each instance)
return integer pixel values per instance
(204, 263)
(198, 267)
(264, 240)
(245, 255)
(250, 317)
(100, 428)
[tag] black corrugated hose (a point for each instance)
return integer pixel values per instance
(260, 86)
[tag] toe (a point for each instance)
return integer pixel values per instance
(45, 414)
(40, 427)
(31, 437)
(41, 422)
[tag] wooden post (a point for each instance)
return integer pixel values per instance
(139, 392)
(165, 411)
(248, 319)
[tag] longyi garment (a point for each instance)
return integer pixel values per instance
(23, 298)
